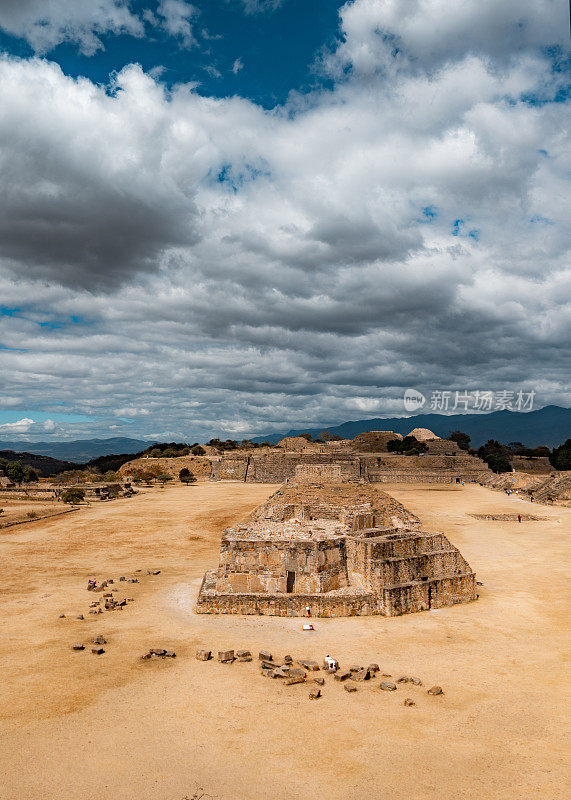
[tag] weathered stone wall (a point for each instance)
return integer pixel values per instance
(394, 601)
(262, 565)
(337, 472)
(290, 605)
(230, 468)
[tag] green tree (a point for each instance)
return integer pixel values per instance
(560, 458)
(498, 463)
(186, 476)
(164, 477)
(30, 475)
(461, 439)
(15, 471)
(496, 455)
(73, 495)
(197, 450)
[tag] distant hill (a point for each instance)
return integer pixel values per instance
(550, 426)
(80, 451)
(46, 465)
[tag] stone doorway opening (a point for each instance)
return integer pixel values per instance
(290, 582)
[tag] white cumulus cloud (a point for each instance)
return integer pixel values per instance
(202, 263)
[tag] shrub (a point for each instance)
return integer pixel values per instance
(73, 496)
(32, 514)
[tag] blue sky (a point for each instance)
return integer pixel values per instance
(237, 216)
(275, 53)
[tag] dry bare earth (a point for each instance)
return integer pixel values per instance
(19, 510)
(76, 725)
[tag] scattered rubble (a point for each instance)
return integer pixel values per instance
(349, 687)
(409, 702)
(314, 694)
(435, 690)
(159, 652)
(78, 646)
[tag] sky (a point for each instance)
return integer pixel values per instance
(229, 217)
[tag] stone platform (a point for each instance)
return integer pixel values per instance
(330, 548)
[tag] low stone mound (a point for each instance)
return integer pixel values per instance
(423, 434)
(297, 444)
(200, 466)
(374, 441)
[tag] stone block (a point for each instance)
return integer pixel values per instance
(225, 655)
(296, 673)
(310, 666)
(349, 687)
(388, 686)
(78, 646)
(435, 690)
(361, 675)
(293, 680)
(342, 676)
(263, 655)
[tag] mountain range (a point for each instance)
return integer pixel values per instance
(80, 451)
(549, 426)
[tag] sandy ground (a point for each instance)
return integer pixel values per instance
(77, 725)
(16, 511)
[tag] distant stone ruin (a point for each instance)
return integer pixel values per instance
(365, 458)
(334, 549)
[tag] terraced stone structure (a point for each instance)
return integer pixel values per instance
(337, 549)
